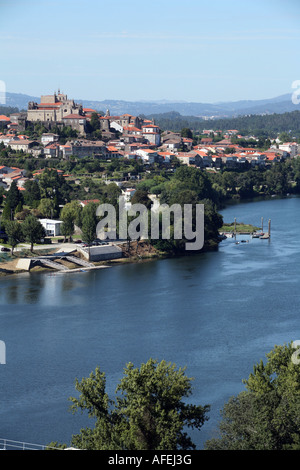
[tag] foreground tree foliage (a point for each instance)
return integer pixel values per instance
(148, 412)
(267, 415)
(14, 232)
(32, 230)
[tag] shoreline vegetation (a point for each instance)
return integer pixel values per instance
(134, 252)
(187, 185)
(139, 252)
(240, 227)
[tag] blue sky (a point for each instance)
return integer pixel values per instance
(200, 51)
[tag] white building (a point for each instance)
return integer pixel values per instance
(52, 227)
(115, 125)
(290, 147)
(49, 137)
(147, 155)
(151, 133)
(128, 193)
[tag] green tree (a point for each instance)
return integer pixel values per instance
(32, 230)
(53, 185)
(47, 208)
(95, 121)
(141, 197)
(89, 226)
(14, 196)
(32, 195)
(2, 191)
(14, 232)
(67, 227)
(266, 416)
(7, 213)
(72, 210)
(112, 193)
(148, 413)
(186, 132)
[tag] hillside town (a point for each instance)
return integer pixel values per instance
(126, 136)
(58, 132)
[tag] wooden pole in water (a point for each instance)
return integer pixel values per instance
(269, 229)
(262, 224)
(235, 227)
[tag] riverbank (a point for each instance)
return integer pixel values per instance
(133, 252)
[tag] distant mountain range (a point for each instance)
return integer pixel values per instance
(280, 104)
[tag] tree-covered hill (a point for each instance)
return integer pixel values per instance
(269, 124)
(7, 110)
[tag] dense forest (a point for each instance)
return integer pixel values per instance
(7, 110)
(268, 125)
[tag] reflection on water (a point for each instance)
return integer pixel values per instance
(50, 289)
(216, 313)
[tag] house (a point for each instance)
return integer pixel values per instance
(52, 150)
(113, 151)
(65, 150)
(216, 160)
(187, 142)
(166, 156)
(85, 148)
(4, 121)
(273, 157)
(132, 130)
(22, 144)
(5, 170)
(8, 175)
(47, 138)
(190, 158)
(115, 125)
(89, 201)
(52, 227)
(128, 193)
(6, 138)
(76, 121)
(290, 147)
(147, 155)
(206, 158)
(88, 112)
(258, 158)
(171, 141)
(206, 141)
(151, 133)
(231, 161)
(232, 131)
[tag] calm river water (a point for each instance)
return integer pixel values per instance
(218, 314)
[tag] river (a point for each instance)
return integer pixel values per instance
(216, 313)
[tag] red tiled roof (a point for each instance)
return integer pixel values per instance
(88, 201)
